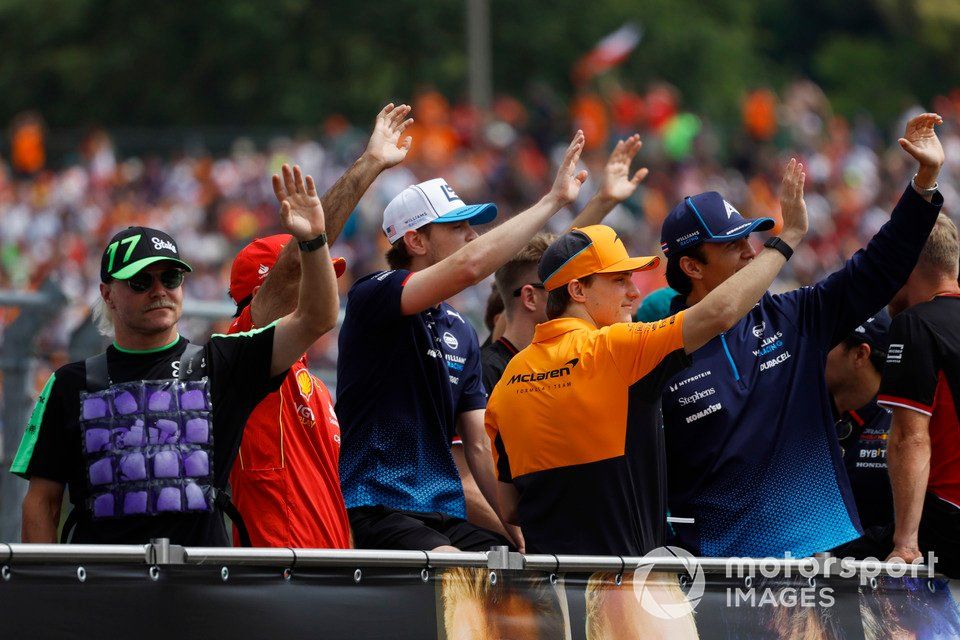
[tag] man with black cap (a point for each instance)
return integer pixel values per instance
(144, 434)
(575, 419)
(752, 450)
(853, 375)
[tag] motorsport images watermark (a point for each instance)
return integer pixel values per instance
(662, 601)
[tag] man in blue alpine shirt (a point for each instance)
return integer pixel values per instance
(408, 371)
(752, 452)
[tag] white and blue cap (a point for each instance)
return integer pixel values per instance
(431, 201)
(706, 217)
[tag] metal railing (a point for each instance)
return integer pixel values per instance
(160, 551)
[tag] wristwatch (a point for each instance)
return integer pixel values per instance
(924, 192)
(313, 245)
(781, 246)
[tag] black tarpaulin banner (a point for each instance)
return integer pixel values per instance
(238, 602)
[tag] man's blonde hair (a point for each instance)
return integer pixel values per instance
(102, 318)
(941, 253)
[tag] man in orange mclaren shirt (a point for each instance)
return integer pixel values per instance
(286, 481)
(575, 420)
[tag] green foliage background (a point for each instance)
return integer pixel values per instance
(247, 63)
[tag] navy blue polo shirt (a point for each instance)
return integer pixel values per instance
(401, 383)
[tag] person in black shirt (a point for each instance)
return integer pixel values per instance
(853, 377)
(524, 307)
(921, 384)
(145, 434)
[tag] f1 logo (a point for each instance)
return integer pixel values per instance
(449, 193)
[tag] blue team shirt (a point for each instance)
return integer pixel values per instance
(401, 383)
(752, 451)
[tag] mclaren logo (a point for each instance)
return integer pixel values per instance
(537, 376)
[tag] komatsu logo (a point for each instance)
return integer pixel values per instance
(537, 376)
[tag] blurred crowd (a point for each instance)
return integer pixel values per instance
(56, 213)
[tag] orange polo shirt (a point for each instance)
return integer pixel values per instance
(576, 425)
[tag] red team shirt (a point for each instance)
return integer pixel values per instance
(285, 481)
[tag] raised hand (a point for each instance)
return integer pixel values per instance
(385, 147)
(920, 141)
(300, 209)
(617, 183)
(567, 185)
(792, 206)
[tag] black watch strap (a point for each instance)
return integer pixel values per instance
(313, 245)
(779, 245)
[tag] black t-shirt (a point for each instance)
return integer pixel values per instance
(494, 358)
(238, 367)
(922, 374)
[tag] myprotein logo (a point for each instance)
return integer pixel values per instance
(699, 395)
(699, 376)
(537, 376)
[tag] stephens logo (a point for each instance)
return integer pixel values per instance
(537, 376)
(698, 395)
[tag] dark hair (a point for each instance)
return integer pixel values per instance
(877, 357)
(676, 278)
(398, 256)
(559, 299)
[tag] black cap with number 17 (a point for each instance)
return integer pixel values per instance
(135, 248)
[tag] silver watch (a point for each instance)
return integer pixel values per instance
(923, 192)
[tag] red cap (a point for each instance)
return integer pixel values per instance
(254, 262)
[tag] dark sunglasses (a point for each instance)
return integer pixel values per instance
(143, 281)
(535, 285)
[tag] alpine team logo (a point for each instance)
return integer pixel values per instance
(450, 340)
(304, 383)
(730, 209)
(657, 593)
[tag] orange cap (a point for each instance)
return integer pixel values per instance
(583, 252)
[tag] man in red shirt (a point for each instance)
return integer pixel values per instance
(286, 481)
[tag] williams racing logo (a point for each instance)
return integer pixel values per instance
(539, 376)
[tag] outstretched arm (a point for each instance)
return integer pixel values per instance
(277, 295)
(868, 281)
(318, 303)
(617, 183)
(725, 305)
(483, 256)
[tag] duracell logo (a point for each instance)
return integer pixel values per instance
(537, 376)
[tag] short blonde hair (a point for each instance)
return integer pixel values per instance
(941, 253)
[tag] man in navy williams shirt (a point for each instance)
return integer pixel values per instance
(408, 371)
(752, 454)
